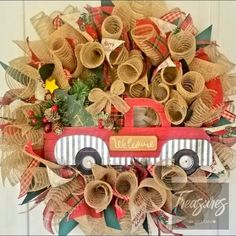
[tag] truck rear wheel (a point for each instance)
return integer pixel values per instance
(86, 158)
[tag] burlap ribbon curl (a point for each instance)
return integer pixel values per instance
(103, 100)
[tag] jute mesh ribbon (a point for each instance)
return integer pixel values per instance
(112, 27)
(92, 54)
(119, 55)
(148, 38)
(170, 177)
(98, 195)
(171, 75)
(130, 70)
(43, 25)
(126, 183)
(107, 175)
(182, 45)
(207, 69)
(191, 85)
(62, 49)
(103, 100)
(150, 194)
(229, 84)
(226, 155)
(79, 66)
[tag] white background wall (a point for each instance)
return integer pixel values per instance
(15, 24)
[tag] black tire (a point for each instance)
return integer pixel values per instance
(91, 155)
(190, 156)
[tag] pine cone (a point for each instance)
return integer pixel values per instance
(51, 115)
(57, 127)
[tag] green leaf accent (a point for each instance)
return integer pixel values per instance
(72, 111)
(15, 74)
(66, 226)
(106, 3)
(111, 218)
(79, 89)
(46, 71)
(145, 225)
(31, 195)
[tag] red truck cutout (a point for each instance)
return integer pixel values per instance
(82, 146)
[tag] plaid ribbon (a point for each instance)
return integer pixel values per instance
(228, 112)
(173, 15)
(57, 22)
(187, 25)
(27, 177)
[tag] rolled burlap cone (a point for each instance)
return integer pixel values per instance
(43, 25)
(191, 85)
(149, 194)
(79, 66)
(160, 91)
(171, 202)
(182, 45)
(175, 111)
(126, 183)
(98, 195)
(112, 27)
(92, 55)
(107, 175)
(64, 52)
(140, 88)
(119, 55)
(207, 69)
(171, 75)
(176, 96)
(170, 177)
(131, 70)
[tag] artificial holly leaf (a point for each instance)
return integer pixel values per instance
(46, 71)
(31, 195)
(66, 226)
(80, 89)
(111, 218)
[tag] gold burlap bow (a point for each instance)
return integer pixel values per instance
(103, 100)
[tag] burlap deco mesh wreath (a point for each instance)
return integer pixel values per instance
(104, 111)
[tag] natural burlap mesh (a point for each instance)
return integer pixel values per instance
(79, 66)
(150, 194)
(171, 75)
(176, 96)
(226, 155)
(130, 70)
(170, 177)
(229, 84)
(98, 195)
(182, 45)
(207, 69)
(107, 175)
(92, 54)
(43, 25)
(112, 27)
(140, 88)
(126, 183)
(191, 85)
(119, 55)
(64, 52)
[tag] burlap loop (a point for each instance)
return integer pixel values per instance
(207, 69)
(64, 52)
(191, 85)
(182, 45)
(92, 55)
(103, 100)
(130, 70)
(171, 75)
(119, 55)
(160, 91)
(170, 177)
(98, 195)
(149, 194)
(112, 27)
(79, 66)
(126, 183)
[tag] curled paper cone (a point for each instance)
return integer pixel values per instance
(149, 194)
(119, 55)
(191, 85)
(226, 155)
(171, 75)
(207, 69)
(170, 177)
(107, 175)
(160, 91)
(64, 52)
(126, 183)
(98, 195)
(79, 66)
(175, 112)
(130, 70)
(140, 88)
(182, 45)
(43, 25)
(92, 54)
(112, 27)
